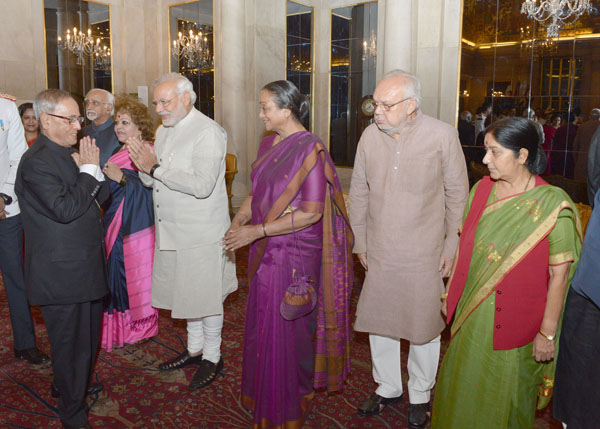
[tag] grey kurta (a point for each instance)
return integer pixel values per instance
(192, 273)
(406, 204)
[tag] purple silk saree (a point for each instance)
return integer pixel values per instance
(129, 223)
(285, 360)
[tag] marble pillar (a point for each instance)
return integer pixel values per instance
(231, 86)
(398, 41)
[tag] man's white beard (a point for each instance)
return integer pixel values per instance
(91, 115)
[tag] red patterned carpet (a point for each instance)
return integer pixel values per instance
(137, 395)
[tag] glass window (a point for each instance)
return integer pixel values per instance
(299, 62)
(192, 49)
(78, 54)
(353, 59)
(509, 63)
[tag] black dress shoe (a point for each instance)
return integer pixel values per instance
(94, 387)
(417, 415)
(33, 355)
(206, 374)
(375, 404)
(184, 359)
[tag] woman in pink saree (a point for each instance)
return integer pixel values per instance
(299, 233)
(129, 223)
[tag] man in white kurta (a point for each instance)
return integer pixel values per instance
(192, 273)
(407, 196)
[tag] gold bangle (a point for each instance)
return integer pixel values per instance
(444, 296)
(264, 230)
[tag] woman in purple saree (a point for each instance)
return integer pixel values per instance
(129, 223)
(298, 229)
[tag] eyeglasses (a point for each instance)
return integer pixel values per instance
(94, 103)
(163, 102)
(387, 107)
(71, 119)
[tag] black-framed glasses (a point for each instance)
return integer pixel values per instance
(71, 119)
(387, 107)
(163, 102)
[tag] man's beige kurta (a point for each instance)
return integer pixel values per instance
(406, 204)
(192, 273)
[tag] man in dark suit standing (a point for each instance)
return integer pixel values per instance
(60, 191)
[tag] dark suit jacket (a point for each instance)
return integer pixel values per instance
(64, 237)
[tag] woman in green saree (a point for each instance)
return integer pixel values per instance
(519, 246)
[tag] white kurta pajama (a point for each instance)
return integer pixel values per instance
(406, 203)
(192, 273)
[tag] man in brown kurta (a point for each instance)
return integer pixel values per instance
(407, 196)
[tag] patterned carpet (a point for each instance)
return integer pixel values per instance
(137, 395)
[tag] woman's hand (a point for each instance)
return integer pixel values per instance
(543, 348)
(112, 171)
(240, 236)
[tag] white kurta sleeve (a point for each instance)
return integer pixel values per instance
(16, 147)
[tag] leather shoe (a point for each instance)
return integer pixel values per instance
(93, 387)
(206, 374)
(184, 359)
(33, 355)
(418, 415)
(375, 404)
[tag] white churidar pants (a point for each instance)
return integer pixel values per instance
(422, 366)
(204, 335)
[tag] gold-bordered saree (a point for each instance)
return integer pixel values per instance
(479, 385)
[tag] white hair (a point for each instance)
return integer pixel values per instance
(110, 99)
(183, 84)
(595, 113)
(412, 88)
(47, 101)
(465, 115)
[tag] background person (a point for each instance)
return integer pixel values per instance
(295, 211)
(12, 147)
(30, 123)
(576, 395)
(519, 245)
(129, 223)
(99, 108)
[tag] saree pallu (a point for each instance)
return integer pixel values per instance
(480, 385)
(282, 362)
(129, 224)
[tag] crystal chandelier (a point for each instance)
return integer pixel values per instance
(102, 59)
(556, 13)
(370, 47)
(80, 44)
(193, 49)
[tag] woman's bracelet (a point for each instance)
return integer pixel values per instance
(264, 230)
(123, 181)
(444, 296)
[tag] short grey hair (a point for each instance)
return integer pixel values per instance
(109, 97)
(183, 84)
(412, 89)
(465, 115)
(47, 101)
(595, 113)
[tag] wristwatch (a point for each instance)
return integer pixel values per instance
(548, 337)
(6, 198)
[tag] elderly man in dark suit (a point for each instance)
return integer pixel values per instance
(60, 191)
